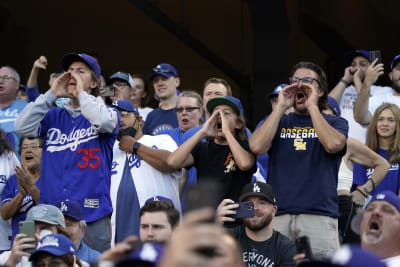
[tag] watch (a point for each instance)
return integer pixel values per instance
(135, 148)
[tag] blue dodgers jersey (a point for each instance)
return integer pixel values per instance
(160, 120)
(304, 176)
(76, 163)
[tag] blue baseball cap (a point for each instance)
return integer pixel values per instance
(92, 62)
(71, 209)
(122, 76)
(387, 196)
(54, 244)
(125, 105)
(361, 52)
(148, 252)
(347, 256)
(395, 60)
(332, 103)
(276, 91)
(231, 101)
(158, 198)
(164, 69)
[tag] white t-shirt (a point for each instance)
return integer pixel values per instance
(377, 100)
(393, 261)
(144, 112)
(346, 105)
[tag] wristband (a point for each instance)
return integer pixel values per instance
(135, 147)
(344, 81)
(373, 185)
(361, 192)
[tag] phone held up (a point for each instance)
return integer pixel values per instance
(28, 228)
(245, 210)
(108, 90)
(303, 246)
(376, 54)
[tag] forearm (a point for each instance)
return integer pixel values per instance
(181, 157)
(34, 192)
(33, 78)
(28, 121)
(361, 113)
(243, 159)
(332, 140)
(102, 118)
(260, 141)
(157, 158)
(338, 90)
(10, 208)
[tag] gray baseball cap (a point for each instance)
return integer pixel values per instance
(46, 213)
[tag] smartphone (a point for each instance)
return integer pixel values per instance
(28, 228)
(108, 90)
(245, 210)
(303, 246)
(376, 54)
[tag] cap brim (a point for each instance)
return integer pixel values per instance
(52, 251)
(212, 103)
(68, 59)
(251, 194)
(164, 74)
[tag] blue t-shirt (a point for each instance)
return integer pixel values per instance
(390, 181)
(8, 115)
(303, 175)
(160, 120)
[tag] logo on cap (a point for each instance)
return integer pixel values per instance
(256, 188)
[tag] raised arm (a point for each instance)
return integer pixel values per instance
(261, 140)
(361, 113)
(338, 90)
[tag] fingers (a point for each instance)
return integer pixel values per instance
(41, 63)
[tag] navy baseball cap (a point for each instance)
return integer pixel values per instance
(258, 189)
(332, 103)
(276, 91)
(149, 253)
(54, 244)
(361, 52)
(387, 196)
(125, 105)
(92, 62)
(347, 256)
(231, 101)
(71, 209)
(164, 69)
(395, 60)
(46, 213)
(158, 198)
(122, 76)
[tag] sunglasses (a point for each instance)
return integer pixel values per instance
(187, 109)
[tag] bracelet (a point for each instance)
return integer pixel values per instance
(373, 183)
(361, 192)
(135, 147)
(344, 81)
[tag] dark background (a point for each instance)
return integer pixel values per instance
(251, 43)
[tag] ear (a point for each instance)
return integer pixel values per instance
(391, 76)
(275, 209)
(177, 81)
(93, 84)
(320, 92)
(239, 123)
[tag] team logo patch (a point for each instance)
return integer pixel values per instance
(91, 203)
(256, 188)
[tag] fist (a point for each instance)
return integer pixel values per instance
(41, 63)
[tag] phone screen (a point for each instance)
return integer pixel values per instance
(376, 54)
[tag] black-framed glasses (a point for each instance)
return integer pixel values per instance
(31, 147)
(307, 80)
(6, 78)
(187, 109)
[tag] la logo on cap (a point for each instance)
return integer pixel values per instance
(380, 196)
(256, 188)
(63, 207)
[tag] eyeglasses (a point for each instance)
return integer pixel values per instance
(307, 80)
(31, 147)
(6, 78)
(187, 109)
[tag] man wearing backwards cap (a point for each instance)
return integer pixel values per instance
(139, 171)
(359, 73)
(77, 150)
(165, 80)
(379, 227)
(259, 241)
(364, 109)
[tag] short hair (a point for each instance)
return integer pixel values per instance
(322, 80)
(195, 95)
(164, 206)
(221, 81)
(21, 140)
(15, 73)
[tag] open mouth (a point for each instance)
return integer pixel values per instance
(219, 125)
(300, 95)
(373, 226)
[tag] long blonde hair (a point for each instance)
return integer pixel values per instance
(372, 140)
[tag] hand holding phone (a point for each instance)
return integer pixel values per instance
(303, 246)
(376, 54)
(28, 228)
(245, 210)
